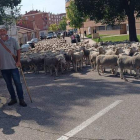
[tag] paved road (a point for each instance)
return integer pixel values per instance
(74, 106)
(91, 42)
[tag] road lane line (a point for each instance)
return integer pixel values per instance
(89, 121)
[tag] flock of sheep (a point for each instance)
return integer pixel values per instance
(56, 55)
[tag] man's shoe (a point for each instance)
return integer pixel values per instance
(12, 102)
(22, 103)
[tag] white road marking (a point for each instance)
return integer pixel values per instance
(89, 121)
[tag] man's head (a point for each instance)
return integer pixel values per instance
(3, 32)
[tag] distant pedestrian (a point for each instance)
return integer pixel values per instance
(64, 34)
(85, 33)
(95, 30)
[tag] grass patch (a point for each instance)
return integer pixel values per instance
(115, 38)
(90, 36)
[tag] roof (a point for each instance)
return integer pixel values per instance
(24, 30)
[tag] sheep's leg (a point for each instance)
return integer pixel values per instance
(94, 65)
(73, 65)
(98, 69)
(51, 71)
(45, 69)
(102, 68)
(122, 76)
(62, 70)
(69, 66)
(56, 71)
(116, 71)
(81, 64)
(91, 64)
(131, 72)
(76, 66)
(137, 73)
(86, 61)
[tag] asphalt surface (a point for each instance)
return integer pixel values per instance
(63, 103)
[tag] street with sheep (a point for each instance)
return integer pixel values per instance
(71, 99)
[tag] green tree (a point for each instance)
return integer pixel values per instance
(112, 12)
(53, 27)
(75, 17)
(63, 24)
(9, 12)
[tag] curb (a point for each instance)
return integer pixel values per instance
(3, 101)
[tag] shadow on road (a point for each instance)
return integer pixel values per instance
(54, 98)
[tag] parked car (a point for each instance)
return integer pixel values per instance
(62, 34)
(59, 33)
(77, 38)
(32, 42)
(25, 48)
(70, 33)
(50, 36)
(42, 37)
(54, 35)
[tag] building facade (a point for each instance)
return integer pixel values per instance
(89, 26)
(40, 20)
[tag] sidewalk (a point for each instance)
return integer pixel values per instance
(91, 42)
(113, 35)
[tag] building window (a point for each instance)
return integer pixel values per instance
(115, 27)
(108, 27)
(100, 28)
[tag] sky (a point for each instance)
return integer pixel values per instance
(54, 6)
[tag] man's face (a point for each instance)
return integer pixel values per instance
(3, 34)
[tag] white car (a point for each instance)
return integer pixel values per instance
(25, 48)
(54, 35)
(34, 40)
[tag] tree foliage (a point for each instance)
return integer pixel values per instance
(53, 27)
(112, 12)
(75, 17)
(9, 11)
(63, 24)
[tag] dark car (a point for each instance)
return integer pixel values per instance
(70, 33)
(42, 37)
(78, 38)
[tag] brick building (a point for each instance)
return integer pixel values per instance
(39, 21)
(104, 29)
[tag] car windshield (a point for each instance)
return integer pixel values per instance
(34, 39)
(50, 34)
(25, 45)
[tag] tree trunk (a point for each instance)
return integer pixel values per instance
(132, 27)
(80, 32)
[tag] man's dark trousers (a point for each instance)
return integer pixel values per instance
(8, 75)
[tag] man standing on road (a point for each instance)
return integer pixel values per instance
(8, 66)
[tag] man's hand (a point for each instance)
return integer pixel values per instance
(18, 64)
